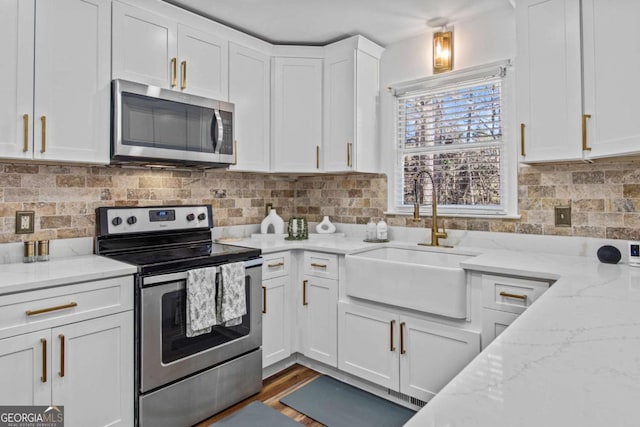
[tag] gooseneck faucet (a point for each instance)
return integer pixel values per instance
(435, 233)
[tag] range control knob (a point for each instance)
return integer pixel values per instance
(191, 217)
(116, 221)
(132, 220)
(201, 217)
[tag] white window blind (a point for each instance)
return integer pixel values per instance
(454, 131)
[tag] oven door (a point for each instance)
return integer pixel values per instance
(166, 354)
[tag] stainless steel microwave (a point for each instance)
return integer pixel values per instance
(154, 126)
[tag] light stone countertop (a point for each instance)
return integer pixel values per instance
(571, 359)
(20, 277)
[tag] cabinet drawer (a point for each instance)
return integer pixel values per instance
(321, 265)
(275, 265)
(510, 294)
(29, 311)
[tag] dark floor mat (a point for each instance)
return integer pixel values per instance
(256, 414)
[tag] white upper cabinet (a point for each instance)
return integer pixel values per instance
(56, 85)
(297, 115)
(611, 56)
(250, 92)
(351, 87)
(204, 63)
(577, 79)
(144, 47)
(549, 79)
(153, 49)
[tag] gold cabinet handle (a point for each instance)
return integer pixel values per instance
(50, 309)
(183, 66)
(522, 139)
(304, 292)
(235, 152)
(402, 349)
(349, 153)
(392, 327)
(43, 378)
(25, 123)
(585, 147)
(313, 264)
(277, 264)
(43, 120)
(264, 300)
(174, 72)
(61, 373)
(317, 157)
(509, 295)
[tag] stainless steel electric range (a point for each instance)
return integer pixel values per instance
(179, 380)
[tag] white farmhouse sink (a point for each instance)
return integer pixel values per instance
(427, 280)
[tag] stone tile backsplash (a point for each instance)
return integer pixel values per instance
(604, 198)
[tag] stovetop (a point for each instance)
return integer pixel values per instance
(160, 239)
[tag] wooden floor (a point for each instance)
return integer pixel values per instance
(273, 389)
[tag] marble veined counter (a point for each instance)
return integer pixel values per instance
(571, 359)
(20, 277)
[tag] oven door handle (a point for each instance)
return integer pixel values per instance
(174, 277)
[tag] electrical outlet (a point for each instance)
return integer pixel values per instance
(563, 216)
(25, 222)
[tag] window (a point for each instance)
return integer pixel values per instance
(453, 127)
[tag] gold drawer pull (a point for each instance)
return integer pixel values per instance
(264, 300)
(585, 144)
(277, 264)
(313, 264)
(392, 327)
(61, 373)
(174, 72)
(49, 309)
(43, 147)
(43, 378)
(304, 292)
(183, 66)
(508, 295)
(522, 139)
(25, 122)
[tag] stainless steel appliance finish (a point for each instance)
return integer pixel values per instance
(181, 380)
(155, 126)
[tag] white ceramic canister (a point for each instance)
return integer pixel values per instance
(326, 226)
(272, 223)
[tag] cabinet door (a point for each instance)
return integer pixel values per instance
(249, 91)
(204, 63)
(494, 322)
(339, 112)
(276, 332)
(432, 354)
(16, 78)
(320, 330)
(93, 370)
(611, 43)
(549, 79)
(369, 344)
(297, 112)
(25, 369)
(144, 47)
(72, 81)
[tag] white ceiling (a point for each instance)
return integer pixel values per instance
(318, 22)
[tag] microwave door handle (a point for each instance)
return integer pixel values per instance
(214, 131)
(220, 131)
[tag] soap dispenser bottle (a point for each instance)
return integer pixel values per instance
(381, 230)
(371, 229)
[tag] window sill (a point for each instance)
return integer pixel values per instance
(444, 214)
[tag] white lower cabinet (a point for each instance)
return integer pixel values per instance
(319, 319)
(504, 298)
(276, 324)
(85, 366)
(403, 353)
